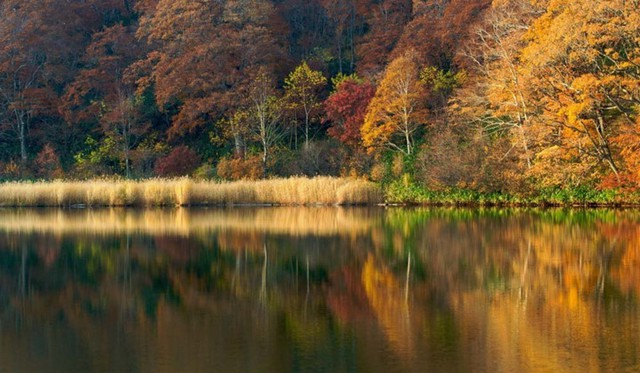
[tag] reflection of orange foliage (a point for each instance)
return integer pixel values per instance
(553, 313)
(48, 250)
(236, 240)
(387, 300)
(175, 248)
(577, 282)
(625, 272)
(346, 296)
(519, 330)
(628, 273)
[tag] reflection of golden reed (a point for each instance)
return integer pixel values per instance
(181, 221)
(183, 192)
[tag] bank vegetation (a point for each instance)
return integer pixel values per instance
(188, 192)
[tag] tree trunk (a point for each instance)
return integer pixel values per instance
(407, 133)
(22, 136)
(23, 145)
(127, 167)
(239, 146)
(340, 54)
(125, 151)
(525, 146)
(306, 129)
(351, 44)
(604, 146)
(408, 139)
(264, 159)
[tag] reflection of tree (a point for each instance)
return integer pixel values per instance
(387, 300)
(506, 288)
(345, 296)
(536, 286)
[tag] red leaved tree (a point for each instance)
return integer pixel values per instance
(181, 161)
(346, 108)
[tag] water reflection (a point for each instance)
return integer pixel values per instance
(327, 288)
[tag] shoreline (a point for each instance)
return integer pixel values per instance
(294, 191)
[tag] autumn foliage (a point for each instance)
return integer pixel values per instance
(495, 95)
(180, 162)
(345, 110)
(240, 168)
(396, 111)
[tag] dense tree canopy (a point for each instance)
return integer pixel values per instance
(524, 94)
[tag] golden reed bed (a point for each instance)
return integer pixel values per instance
(187, 192)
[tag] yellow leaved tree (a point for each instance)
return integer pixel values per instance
(583, 60)
(494, 103)
(397, 110)
(302, 88)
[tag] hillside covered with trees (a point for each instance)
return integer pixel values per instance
(494, 96)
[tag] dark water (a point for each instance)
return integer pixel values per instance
(319, 289)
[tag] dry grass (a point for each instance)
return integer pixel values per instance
(186, 192)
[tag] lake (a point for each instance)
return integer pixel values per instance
(319, 289)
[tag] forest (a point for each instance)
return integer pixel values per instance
(514, 96)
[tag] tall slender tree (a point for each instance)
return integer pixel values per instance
(396, 111)
(302, 89)
(265, 113)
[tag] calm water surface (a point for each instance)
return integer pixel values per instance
(319, 289)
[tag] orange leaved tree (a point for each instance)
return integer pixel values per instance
(582, 60)
(396, 111)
